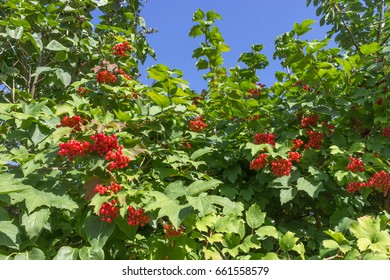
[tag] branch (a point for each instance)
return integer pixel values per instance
(35, 82)
(379, 31)
(347, 28)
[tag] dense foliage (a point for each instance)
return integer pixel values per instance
(96, 165)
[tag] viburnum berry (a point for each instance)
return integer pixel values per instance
(117, 158)
(82, 91)
(265, 138)
(355, 165)
(380, 180)
(109, 211)
(330, 127)
(309, 120)
(170, 231)
(197, 124)
(294, 156)
(105, 77)
(74, 122)
(114, 187)
(281, 167)
(256, 91)
(123, 73)
(355, 186)
(297, 144)
(386, 132)
(305, 87)
(73, 148)
(315, 139)
(259, 163)
(103, 143)
(379, 101)
(137, 217)
(121, 48)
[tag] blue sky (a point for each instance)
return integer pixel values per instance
(243, 24)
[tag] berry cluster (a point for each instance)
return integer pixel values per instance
(74, 122)
(137, 217)
(123, 73)
(105, 77)
(170, 231)
(82, 91)
(256, 91)
(330, 127)
(294, 156)
(259, 163)
(309, 120)
(121, 48)
(117, 158)
(281, 167)
(379, 101)
(103, 143)
(197, 124)
(355, 186)
(297, 144)
(114, 187)
(380, 180)
(265, 138)
(109, 211)
(315, 139)
(355, 165)
(73, 148)
(386, 132)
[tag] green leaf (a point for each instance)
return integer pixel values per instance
(15, 33)
(54, 45)
(312, 189)
(175, 189)
(67, 253)
(367, 230)
(161, 100)
(303, 27)
(200, 186)
(195, 31)
(8, 184)
(287, 242)
(254, 217)
(202, 203)
(35, 198)
(198, 15)
(201, 152)
(35, 222)
(9, 234)
(97, 231)
(159, 72)
(330, 244)
(230, 224)
(34, 254)
(287, 195)
(64, 77)
(267, 231)
(370, 48)
(91, 253)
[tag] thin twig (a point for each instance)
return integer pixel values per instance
(347, 28)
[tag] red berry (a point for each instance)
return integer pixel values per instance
(74, 122)
(170, 231)
(265, 138)
(386, 132)
(315, 139)
(294, 156)
(105, 77)
(103, 143)
(137, 217)
(297, 143)
(197, 124)
(309, 120)
(259, 163)
(109, 211)
(281, 167)
(117, 158)
(380, 180)
(73, 148)
(121, 48)
(355, 165)
(355, 186)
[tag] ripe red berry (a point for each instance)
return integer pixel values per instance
(74, 122)
(73, 148)
(355, 165)
(297, 144)
(256, 91)
(265, 138)
(197, 124)
(103, 190)
(259, 163)
(294, 156)
(105, 77)
(281, 167)
(355, 186)
(315, 139)
(109, 211)
(170, 231)
(103, 143)
(117, 158)
(386, 132)
(379, 101)
(137, 217)
(310, 120)
(121, 48)
(380, 180)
